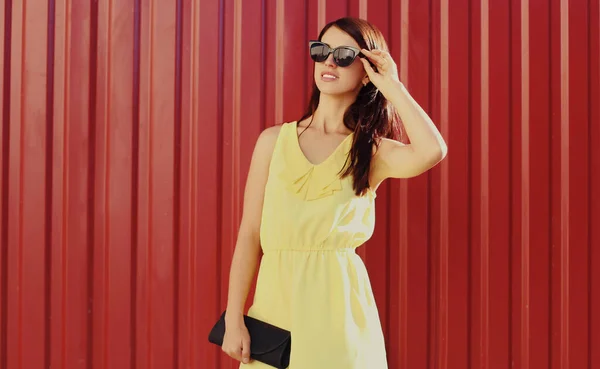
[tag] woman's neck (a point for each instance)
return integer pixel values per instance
(329, 116)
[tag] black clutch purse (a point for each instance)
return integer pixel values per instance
(268, 344)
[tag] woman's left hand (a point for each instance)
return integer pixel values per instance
(386, 77)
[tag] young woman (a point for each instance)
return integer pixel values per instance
(309, 203)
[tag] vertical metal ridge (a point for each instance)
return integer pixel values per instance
(390, 20)
(403, 293)
(106, 187)
(590, 290)
(143, 192)
(193, 187)
(404, 41)
(237, 106)
(594, 86)
(442, 320)
(65, 185)
(263, 67)
(193, 171)
(362, 8)
(511, 321)
(220, 151)
(484, 360)
(403, 304)
(470, 114)
(150, 207)
(6, 87)
(91, 178)
(16, 179)
(387, 327)
(551, 200)
(280, 59)
(525, 188)
(439, 25)
(321, 14)
(184, 265)
(143, 227)
(135, 172)
(564, 185)
(589, 192)
(177, 171)
(48, 223)
(59, 210)
(102, 244)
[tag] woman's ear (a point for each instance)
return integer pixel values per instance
(365, 80)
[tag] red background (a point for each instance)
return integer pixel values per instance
(127, 129)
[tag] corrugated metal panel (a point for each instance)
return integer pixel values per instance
(127, 129)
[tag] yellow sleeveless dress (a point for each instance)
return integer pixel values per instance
(311, 281)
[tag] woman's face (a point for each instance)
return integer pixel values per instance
(332, 79)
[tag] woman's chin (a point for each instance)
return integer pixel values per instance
(333, 89)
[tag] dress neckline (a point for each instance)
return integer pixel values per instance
(328, 158)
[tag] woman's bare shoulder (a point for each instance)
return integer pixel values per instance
(271, 133)
(265, 144)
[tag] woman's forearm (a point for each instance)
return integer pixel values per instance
(422, 132)
(243, 268)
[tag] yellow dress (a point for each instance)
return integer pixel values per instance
(311, 281)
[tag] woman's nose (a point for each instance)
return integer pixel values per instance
(329, 61)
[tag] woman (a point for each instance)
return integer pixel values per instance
(309, 203)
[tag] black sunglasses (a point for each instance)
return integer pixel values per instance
(343, 56)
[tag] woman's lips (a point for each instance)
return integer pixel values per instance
(329, 76)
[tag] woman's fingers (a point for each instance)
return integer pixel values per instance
(370, 71)
(379, 59)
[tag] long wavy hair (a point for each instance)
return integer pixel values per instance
(371, 116)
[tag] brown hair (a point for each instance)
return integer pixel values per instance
(371, 116)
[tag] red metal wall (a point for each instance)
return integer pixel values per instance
(127, 129)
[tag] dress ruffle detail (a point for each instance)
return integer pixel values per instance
(310, 186)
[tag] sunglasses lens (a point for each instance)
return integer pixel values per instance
(319, 52)
(344, 57)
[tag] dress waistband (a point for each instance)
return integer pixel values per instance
(339, 249)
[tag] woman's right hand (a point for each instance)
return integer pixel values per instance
(236, 342)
